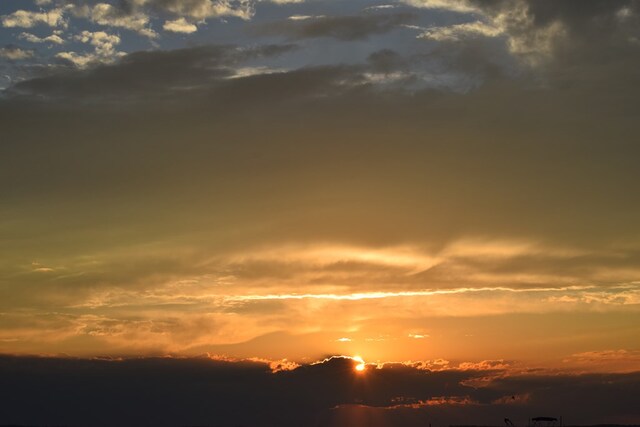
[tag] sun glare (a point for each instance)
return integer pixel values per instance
(361, 365)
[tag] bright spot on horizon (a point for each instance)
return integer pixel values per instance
(361, 365)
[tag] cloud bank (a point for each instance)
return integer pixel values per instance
(202, 391)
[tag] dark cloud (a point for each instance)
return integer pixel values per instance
(146, 73)
(171, 392)
(339, 27)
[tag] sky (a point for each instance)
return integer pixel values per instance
(245, 200)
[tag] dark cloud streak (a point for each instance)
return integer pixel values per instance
(345, 28)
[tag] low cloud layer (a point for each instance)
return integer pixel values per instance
(202, 391)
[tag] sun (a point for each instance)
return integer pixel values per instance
(361, 365)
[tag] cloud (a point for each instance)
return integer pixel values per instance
(202, 67)
(104, 43)
(202, 9)
(461, 6)
(536, 32)
(339, 27)
(77, 59)
(104, 49)
(53, 38)
(180, 25)
(455, 32)
(15, 53)
(198, 391)
(606, 360)
(28, 19)
(112, 16)
(192, 9)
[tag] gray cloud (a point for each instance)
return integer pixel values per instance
(339, 27)
(147, 72)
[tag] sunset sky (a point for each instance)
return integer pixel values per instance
(447, 191)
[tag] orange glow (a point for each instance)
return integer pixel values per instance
(361, 365)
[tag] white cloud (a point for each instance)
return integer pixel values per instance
(381, 7)
(28, 19)
(462, 6)
(110, 16)
(15, 53)
(180, 25)
(104, 49)
(255, 71)
(104, 43)
(79, 60)
(304, 17)
(203, 9)
(460, 31)
(53, 38)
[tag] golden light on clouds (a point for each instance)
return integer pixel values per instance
(391, 302)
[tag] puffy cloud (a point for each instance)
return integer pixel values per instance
(180, 25)
(112, 16)
(77, 59)
(15, 53)
(53, 38)
(104, 43)
(28, 19)
(104, 49)
(203, 9)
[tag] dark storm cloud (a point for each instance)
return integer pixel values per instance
(171, 392)
(344, 28)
